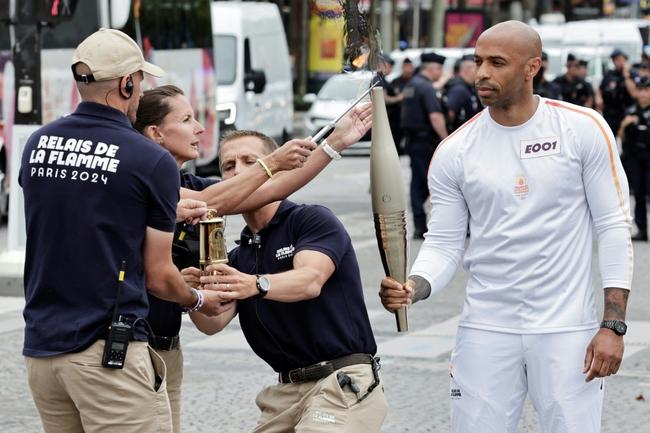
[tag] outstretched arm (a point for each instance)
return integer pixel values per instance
(190, 211)
(225, 196)
(311, 269)
(349, 130)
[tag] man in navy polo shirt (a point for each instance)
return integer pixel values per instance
(296, 281)
(99, 194)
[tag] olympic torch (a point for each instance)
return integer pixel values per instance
(212, 244)
(388, 201)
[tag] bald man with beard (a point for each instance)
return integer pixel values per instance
(533, 177)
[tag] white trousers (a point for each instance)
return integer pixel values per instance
(491, 373)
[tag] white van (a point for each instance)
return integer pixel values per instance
(254, 83)
(605, 33)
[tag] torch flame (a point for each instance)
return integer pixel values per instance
(360, 60)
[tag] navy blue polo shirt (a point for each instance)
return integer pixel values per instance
(419, 101)
(289, 335)
(92, 186)
(164, 316)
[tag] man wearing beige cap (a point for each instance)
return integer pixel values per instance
(100, 208)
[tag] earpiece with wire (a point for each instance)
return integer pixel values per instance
(127, 91)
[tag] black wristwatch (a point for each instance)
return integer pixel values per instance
(263, 286)
(618, 326)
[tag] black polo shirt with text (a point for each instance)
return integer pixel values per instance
(92, 186)
(289, 335)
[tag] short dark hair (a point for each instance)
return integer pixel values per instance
(269, 144)
(154, 106)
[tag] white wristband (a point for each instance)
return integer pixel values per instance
(197, 305)
(329, 150)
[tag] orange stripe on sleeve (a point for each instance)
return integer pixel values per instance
(610, 148)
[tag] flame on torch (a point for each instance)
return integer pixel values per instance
(360, 60)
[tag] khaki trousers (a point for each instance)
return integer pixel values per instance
(315, 407)
(174, 363)
(75, 394)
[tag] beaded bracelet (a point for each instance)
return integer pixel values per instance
(197, 305)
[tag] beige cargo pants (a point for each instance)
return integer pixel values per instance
(314, 407)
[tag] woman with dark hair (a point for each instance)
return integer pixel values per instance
(166, 116)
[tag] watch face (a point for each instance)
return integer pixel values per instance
(263, 283)
(620, 327)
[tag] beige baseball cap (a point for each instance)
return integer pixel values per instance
(112, 54)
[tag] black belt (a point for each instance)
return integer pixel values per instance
(164, 343)
(318, 371)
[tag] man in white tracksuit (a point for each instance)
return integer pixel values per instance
(534, 177)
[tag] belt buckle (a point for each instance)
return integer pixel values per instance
(296, 371)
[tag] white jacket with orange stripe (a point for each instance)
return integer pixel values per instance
(533, 194)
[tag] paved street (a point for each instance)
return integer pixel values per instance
(222, 375)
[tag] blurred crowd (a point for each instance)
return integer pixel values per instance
(419, 114)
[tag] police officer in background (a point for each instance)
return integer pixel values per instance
(392, 98)
(641, 70)
(398, 85)
(408, 70)
(573, 88)
(424, 126)
(461, 98)
(99, 194)
(543, 87)
(635, 135)
(617, 90)
(583, 72)
(583, 69)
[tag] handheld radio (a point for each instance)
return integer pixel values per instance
(119, 332)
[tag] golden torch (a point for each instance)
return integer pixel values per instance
(388, 201)
(212, 244)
